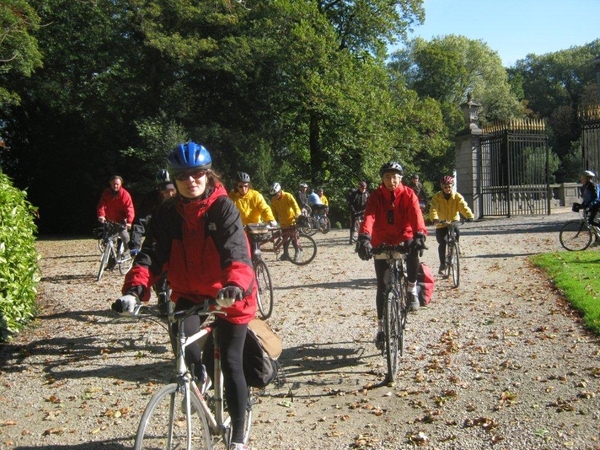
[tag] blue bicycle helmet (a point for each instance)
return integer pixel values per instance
(391, 166)
(188, 156)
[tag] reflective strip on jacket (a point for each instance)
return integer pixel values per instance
(203, 246)
(392, 219)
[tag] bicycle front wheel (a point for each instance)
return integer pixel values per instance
(575, 235)
(306, 251)
(454, 266)
(103, 261)
(164, 425)
(265, 297)
(393, 333)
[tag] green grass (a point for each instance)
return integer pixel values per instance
(577, 275)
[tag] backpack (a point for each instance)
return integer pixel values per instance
(261, 350)
(425, 284)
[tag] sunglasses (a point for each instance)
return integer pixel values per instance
(186, 175)
(243, 186)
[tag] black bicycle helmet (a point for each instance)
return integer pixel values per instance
(243, 177)
(188, 156)
(162, 176)
(391, 166)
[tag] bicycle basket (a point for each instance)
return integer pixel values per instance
(257, 232)
(302, 221)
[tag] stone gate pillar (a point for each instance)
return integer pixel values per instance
(468, 152)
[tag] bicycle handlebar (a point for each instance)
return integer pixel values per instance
(384, 248)
(207, 307)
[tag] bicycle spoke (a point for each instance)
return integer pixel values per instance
(306, 252)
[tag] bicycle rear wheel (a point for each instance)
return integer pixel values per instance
(454, 266)
(393, 333)
(307, 248)
(164, 426)
(265, 298)
(575, 235)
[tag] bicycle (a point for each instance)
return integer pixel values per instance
(577, 234)
(257, 233)
(306, 249)
(205, 421)
(395, 307)
(452, 252)
(322, 222)
(114, 253)
(307, 223)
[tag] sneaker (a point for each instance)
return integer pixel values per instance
(236, 446)
(284, 257)
(380, 340)
(298, 256)
(413, 302)
(442, 270)
(134, 252)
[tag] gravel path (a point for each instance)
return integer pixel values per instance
(501, 362)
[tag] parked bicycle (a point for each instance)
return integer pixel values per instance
(114, 253)
(305, 246)
(257, 233)
(306, 223)
(186, 414)
(395, 307)
(578, 234)
(452, 253)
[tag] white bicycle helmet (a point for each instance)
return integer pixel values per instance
(588, 173)
(275, 188)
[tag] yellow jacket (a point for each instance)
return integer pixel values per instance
(285, 209)
(442, 209)
(324, 200)
(253, 207)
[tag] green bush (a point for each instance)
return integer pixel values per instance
(18, 259)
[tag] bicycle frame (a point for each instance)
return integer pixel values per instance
(452, 252)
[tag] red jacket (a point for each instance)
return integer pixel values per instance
(116, 207)
(203, 246)
(392, 221)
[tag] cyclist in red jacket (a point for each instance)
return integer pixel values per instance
(116, 205)
(392, 217)
(198, 238)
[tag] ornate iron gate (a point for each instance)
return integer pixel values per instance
(513, 168)
(590, 139)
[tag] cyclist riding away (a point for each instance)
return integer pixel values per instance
(447, 205)
(116, 205)
(357, 201)
(251, 203)
(199, 239)
(286, 211)
(392, 217)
